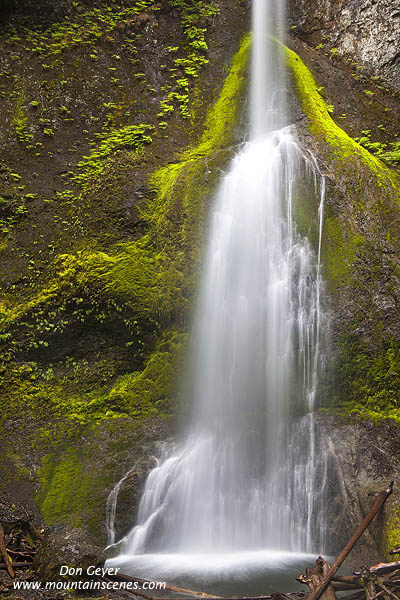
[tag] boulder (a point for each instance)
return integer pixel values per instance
(66, 546)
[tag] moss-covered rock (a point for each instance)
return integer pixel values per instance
(93, 340)
(359, 256)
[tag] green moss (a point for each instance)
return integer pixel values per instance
(195, 17)
(69, 492)
(391, 533)
(340, 249)
(149, 274)
(20, 120)
(141, 286)
(368, 378)
(143, 394)
(138, 395)
(155, 385)
(343, 148)
(187, 178)
(368, 180)
(388, 152)
(367, 382)
(133, 137)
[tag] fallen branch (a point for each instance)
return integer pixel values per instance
(351, 579)
(3, 553)
(344, 587)
(385, 568)
(382, 568)
(17, 565)
(379, 502)
(381, 584)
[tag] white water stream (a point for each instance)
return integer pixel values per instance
(247, 478)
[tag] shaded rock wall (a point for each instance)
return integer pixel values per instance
(363, 461)
(363, 31)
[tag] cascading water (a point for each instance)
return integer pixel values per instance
(247, 475)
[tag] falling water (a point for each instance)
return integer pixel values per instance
(247, 475)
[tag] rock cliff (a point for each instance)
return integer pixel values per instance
(116, 120)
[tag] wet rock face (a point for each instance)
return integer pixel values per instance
(365, 31)
(363, 459)
(129, 495)
(36, 10)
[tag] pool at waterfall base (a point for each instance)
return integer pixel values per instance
(247, 573)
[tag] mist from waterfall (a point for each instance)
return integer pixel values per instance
(247, 474)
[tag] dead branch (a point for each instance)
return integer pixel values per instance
(382, 568)
(344, 587)
(3, 553)
(382, 585)
(17, 565)
(350, 579)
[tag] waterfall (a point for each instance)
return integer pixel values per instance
(247, 474)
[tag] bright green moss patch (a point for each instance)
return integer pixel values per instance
(136, 283)
(187, 179)
(139, 287)
(152, 279)
(340, 248)
(67, 490)
(20, 119)
(391, 533)
(142, 394)
(368, 366)
(83, 30)
(342, 147)
(132, 137)
(155, 385)
(369, 379)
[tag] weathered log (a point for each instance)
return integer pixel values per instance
(351, 579)
(382, 568)
(3, 553)
(385, 568)
(357, 596)
(140, 593)
(395, 550)
(133, 592)
(313, 578)
(324, 568)
(379, 502)
(122, 577)
(344, 587)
